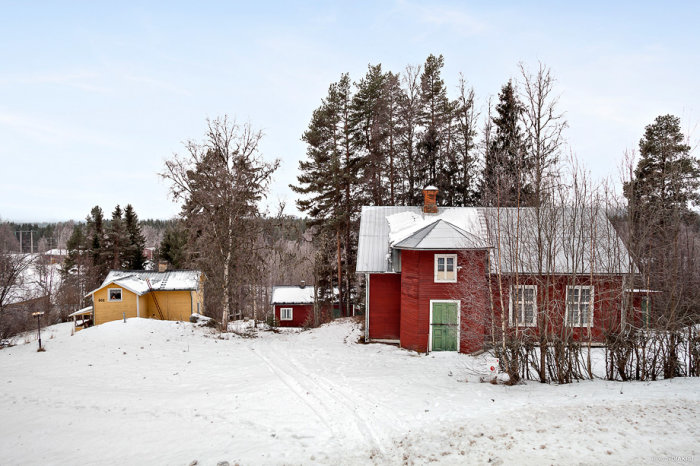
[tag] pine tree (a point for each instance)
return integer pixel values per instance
(435, 114)
(369, 132)
(329, 179)
(393, 97)
(663, 228)
(667, 177)
(409, 164)
(133, 255)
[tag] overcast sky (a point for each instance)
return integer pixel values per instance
(94, 97)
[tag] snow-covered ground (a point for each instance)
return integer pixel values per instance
(153, 392)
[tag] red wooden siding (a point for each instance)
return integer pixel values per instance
(384, 305)
(418, 288)
(551, 304)
(401, 303)
(300, 314)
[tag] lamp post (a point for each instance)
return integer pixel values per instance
(38, 323)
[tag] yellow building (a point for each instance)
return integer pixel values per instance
(170, 295)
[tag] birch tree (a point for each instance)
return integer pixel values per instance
(220, 183)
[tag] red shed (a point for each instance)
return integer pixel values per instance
(440, 278)
(293, 305)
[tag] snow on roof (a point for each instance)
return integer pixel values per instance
(294, 294)
(83, 311)
(56, 252)
(576, 240)
(135, 280)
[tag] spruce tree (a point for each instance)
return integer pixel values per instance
(117, 240)
(173, 247)
(506, 166)
(134, 257)
(466, 182)
(97, 246)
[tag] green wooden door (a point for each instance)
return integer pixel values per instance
(444, 326)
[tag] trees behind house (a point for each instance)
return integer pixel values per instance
(95, 248)
(382, 139)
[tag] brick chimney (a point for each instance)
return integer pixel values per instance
(162, 266)
(302, 284)
(429, 200)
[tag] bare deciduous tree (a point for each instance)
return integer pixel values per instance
(221, 182)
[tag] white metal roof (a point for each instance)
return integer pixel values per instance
(441, 234)
(558, 240)
(135, 280)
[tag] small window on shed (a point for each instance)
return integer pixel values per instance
(114, 294)
(286, 313)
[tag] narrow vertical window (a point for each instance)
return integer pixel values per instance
(579, 309)
(524, 305)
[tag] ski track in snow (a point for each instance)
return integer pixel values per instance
(151, 392)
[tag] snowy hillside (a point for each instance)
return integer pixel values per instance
(153, 392)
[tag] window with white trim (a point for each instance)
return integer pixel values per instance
(523, 305)
(114, 294)
(579, 308)
(285, 313)
(445, 268)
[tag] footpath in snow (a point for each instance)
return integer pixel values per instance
(154, 392)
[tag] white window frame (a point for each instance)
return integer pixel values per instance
(521, 309)
(591, 301)
(109, 295)
(454, 262)
(291, 313)
(459, 322)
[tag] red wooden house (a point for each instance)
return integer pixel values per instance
(293, 306)
(440, 278)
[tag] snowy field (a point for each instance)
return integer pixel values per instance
(153, 392)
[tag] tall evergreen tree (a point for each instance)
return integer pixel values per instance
(435, 114)
(506, 166)
(467, 179)
(134, 257)
(329, 179)
(409, 164)
(663, 228)
(97, 245)
(667, 176)
(368, 127)
(173, 247)
(117, 240)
